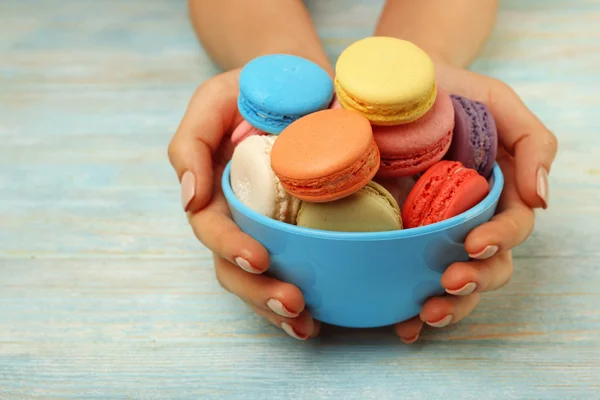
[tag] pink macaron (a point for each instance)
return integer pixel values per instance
(409, 149)
(243, 131)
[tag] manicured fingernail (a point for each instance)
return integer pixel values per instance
(246, 266)
(278, 308)
(410, 340)
(542, 186)
(485, 253)
(290, 331)
(188, 189)
(442, 322)
(463, 291)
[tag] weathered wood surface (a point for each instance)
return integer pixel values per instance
(104, 292)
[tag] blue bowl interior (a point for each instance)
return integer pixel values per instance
(496, 185)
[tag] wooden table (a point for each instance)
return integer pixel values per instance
(104, 292)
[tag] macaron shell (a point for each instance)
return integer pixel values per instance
(371, 209)
(443, 191)
(468, 195)
(243, 131)
(399, 188)
(475, 141)
(463, 189)
(277, 89)
(391, 81)
(326, 155)
(339, 184)
(254, 183)
(412, 148)
(424, 192)
(335, 103)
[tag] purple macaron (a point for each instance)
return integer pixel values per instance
(475, 138)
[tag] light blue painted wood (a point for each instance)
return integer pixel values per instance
(104, 293)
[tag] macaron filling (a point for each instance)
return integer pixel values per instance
(340, 181)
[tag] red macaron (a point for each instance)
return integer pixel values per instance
(445, 190)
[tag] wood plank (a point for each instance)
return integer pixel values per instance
(105, 293)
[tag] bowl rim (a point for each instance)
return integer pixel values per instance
(491, 199)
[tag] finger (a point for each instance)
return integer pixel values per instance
(212, 112)
(260, 291)
(510, 227)
(477, 276)
(520, 131)
(442, 311)
(302, 328)
(410, 330)
(316, 328)
(524, 136)
(214, 227)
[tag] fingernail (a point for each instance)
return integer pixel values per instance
(489, 251)
(410, 340)
(188, 189)
(278, 308)
(542, 186)
(463, 291)
(441, 323)
(290, 331)
(246, 266)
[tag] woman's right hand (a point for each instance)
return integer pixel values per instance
(199, 152)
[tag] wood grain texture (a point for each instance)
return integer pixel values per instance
(104, 292)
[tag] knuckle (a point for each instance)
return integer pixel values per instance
(220, 275)
(513, 226)
(222, 237)
(551, 143)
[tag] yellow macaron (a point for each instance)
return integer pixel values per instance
(390, 81)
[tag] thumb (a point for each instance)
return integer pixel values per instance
(212, 112)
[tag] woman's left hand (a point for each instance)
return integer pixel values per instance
(525, 155)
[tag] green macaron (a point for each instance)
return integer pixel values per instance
(371, 209)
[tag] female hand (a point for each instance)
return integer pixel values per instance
(525, 155)
(199, 152)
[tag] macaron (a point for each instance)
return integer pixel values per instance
(412, 148)
(371, 209)
(475, 141)
(244, 130)
(254, 183)
(326, 156)
(445, 190)
(277, 89)
(390, 81)
(399, 188)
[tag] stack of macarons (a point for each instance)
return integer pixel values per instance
(381, 147)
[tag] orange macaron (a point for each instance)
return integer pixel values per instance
(326, 155)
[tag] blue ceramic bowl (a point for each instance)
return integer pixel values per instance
(370, 279)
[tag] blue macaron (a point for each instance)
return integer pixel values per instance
(277, 89)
